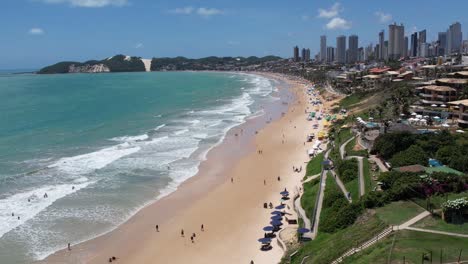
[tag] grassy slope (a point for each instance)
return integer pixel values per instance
(353, 188)
(436, 223)
(399, 212)
(368, 182)
(310, 195)
(351, 152)
(327, 247)
(315, 165)
(411, 245)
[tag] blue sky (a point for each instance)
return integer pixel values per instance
(35, 33)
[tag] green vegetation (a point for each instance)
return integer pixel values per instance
(208, 63)
(368, 182)
(399, 212)
(434, 222)
(351, 152)
(337, 213)
(347, 169)
(352, 99)
(118, 63)
(309, 196)
(411, 245)
(314, 166)
(327, 247)
(353, 188)
(405, 148)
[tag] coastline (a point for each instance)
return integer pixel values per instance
(199, 196)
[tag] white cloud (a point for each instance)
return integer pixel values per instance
(183, 10)
(383, 18)
(201, 11)
(88, 3)
(36, 31)
(338, 23)
(333, 11)
(139, 46)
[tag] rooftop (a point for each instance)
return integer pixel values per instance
(459, 102)
(452, 81)
(379, 70)
(438, 88)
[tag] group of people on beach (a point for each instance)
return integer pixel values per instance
(182, 232)
(298, 170)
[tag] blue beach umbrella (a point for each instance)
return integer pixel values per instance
(276, 223)
(284, 193)
(276, 213)
(303, 230)
(277, 218)
(279, 207)
(268, 228)
(265, 240)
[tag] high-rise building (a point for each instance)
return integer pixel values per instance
(353, 49)
(454, 38)
(296, 54)
(442, 39)
(381, 45)
(341, 49)
(306, 56)
(396, 41)
(330, 54)
(303, 54)
(377, 51)
(421, 42)
(368, 52)
(323, 48)
(405, 48)
(385, 50)
(414, 45)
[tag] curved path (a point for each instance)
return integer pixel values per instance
(362, 188)
(302, 213)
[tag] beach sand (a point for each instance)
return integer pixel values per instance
(232, 212)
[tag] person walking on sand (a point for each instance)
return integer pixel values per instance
(202, 228)
(264, 182)
(157, 228)
(232, 180)
(182, 233)
(69, 247)
(279, 178)
(191, 238)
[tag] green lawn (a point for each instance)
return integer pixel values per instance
(314, 166)
(309, 197)
(327, 247)
(352, 99)
(436, 223)
(369, 184)
(351, 152)
(438, 200)
(410, 246)
(399, 212)
(353, 188)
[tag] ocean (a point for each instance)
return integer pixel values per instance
(102, 146)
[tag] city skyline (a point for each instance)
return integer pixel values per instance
(43, 34)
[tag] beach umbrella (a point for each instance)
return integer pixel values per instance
(265, 240)
(276, 223)
(436, 117)
(445, 125)
(276, 213)
(268, 228)
(433, 105)
(442, 105)
(276, 218)
(402, 114)
(284, 193)
(460, 131)
(279, 207)
(413, 114)
(371, 118)
(303, 230)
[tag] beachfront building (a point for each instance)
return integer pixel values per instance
(396, 41)
(435, 95)
(414, 45)
(330, 54)
(341, 49)
(296, 54)
(352, 49)
(460, 112)
(454, 38)
(323, 48)
(381, 53)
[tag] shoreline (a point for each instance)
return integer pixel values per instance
(194, 189)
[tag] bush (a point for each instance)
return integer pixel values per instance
(413, 155)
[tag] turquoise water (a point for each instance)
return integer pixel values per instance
(104, 145)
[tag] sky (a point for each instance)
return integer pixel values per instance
(36, 33)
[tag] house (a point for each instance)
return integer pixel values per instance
(460, 110)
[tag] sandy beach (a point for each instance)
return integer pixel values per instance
(226, 196)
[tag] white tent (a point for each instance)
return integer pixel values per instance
(445, 125)
(433, 105)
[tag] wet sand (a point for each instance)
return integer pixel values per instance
(226, 196)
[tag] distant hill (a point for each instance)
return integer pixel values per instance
(122, 63)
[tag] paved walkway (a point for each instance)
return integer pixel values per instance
(362, 188)
(310, 178)
(436, 232)
(318, 209)
(341, 185)
(302, 213)
(413, 220)
(379, 163)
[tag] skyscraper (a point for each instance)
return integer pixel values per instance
(405, 48)
(421, 42)
(296, 54)
(396, 41)
(341, 49)
(353, 49)
(323, 48)
(303, 54)
(330, 54)
(442, 39)
(454, 38)
(414, 44)
(307, 55)
(381, 55)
